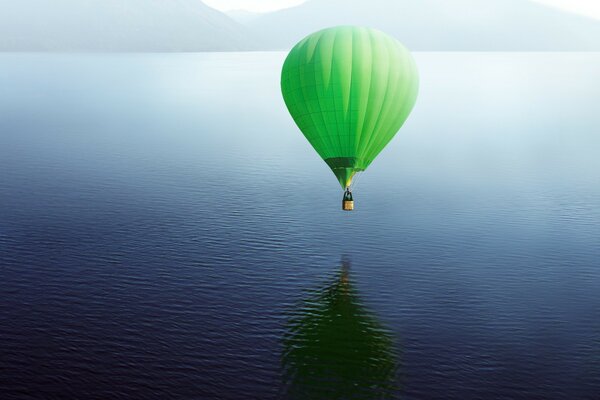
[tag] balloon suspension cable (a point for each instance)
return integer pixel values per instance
(355, 180)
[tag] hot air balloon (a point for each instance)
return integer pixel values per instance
(349, 89)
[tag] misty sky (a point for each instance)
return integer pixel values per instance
(589, 8)
(252, 5)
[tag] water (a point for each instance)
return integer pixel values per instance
(166, 232)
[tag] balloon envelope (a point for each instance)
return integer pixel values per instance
(349, 90)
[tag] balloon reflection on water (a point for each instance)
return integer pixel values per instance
(334, 348)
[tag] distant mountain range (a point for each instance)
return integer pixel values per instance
(119, 25)
(190, 25)
(455, 25)
(243, 16)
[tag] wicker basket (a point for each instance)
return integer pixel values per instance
(347, 205)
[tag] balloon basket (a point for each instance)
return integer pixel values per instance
(347, 201)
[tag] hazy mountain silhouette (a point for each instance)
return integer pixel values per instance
(190, 25)
(118, 25)
(243, 16)
(440, 24)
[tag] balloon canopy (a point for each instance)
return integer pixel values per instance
(349, 90)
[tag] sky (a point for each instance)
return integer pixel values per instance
(252, 5)
(590, 8)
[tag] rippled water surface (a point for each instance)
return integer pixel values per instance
(167, 233)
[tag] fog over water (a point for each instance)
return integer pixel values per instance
(167, 232)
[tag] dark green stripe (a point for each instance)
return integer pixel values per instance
(345, 162)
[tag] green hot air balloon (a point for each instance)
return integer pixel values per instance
(349, 90)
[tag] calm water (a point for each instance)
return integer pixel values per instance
(166, 232)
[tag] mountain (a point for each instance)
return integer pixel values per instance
(118, 25)
(243, 16)
(454, 25)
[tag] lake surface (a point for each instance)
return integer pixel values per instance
(166, 232)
